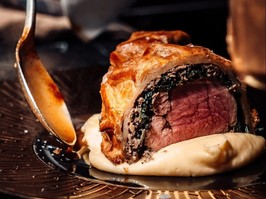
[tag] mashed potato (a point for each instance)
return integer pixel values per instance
(200, 156)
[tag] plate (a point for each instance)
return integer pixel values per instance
(28, 170)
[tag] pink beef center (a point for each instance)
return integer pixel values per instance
(198, 109)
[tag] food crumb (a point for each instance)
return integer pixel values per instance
(57, 151)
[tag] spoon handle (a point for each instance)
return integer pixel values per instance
(30, 15)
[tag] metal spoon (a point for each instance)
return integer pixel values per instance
(42, 94)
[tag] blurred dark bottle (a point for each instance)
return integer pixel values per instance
(246, 40)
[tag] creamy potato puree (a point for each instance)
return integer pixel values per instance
(195, 157)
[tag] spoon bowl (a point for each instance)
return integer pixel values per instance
(41, 92)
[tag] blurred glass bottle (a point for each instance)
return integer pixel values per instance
(246, 40)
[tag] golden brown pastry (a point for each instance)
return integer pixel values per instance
(160, 90)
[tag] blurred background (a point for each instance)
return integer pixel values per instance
(60, 46)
